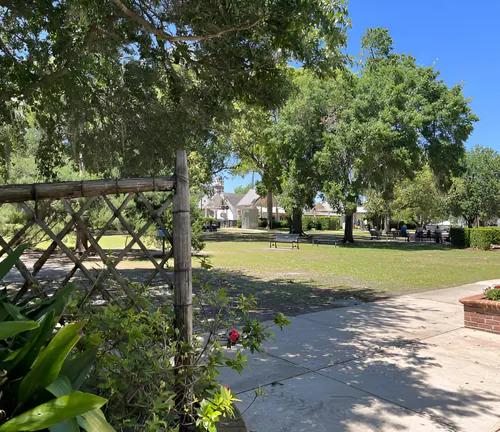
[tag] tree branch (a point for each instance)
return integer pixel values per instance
(88, 41)
(170, 38)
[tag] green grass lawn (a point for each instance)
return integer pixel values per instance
(106, 242)
(313, 278)
(381, 267)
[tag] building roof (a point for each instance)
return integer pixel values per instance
(248, 199)
(233, 199)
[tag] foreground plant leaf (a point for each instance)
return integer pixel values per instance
(54, 412)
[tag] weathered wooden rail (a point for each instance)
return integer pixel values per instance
(76, 197)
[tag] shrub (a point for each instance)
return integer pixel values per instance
(284, 223)
(38, 373)
(263, 223)
(478, 238)
(135, 365)
(457, 237)
(483, 238)
(321, 223)
(493, 294)
(307, 223)
(238, 223)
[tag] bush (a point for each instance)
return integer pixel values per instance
(457, 237)
(493, 294)
(321, 223)
(135, 367)
(483, 238)
(238, 223)
(307, 223)
(284, 223)
(478, 238)
(38, 373)
(263, 223)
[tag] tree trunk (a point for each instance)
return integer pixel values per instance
(296, 226)
(348, 228)
(269, 209)
(387, 224)
(82, 243)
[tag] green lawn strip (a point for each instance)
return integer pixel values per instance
(379, 267)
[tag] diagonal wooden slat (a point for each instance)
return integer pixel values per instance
(164, 260)
(29, 279)
(99, 236)
(137, 239)
(99, 251)
(63, 233)
(142, 231)
(68, 253)
(162, 226)
(156, 216)
(19, 234)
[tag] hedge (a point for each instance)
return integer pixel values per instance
(477, 238)
(321, 223)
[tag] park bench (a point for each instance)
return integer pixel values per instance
(293, 239)
(316, 239)
(374, 234)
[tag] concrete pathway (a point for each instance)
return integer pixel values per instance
(402, 364)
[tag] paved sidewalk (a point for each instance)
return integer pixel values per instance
(402, 364)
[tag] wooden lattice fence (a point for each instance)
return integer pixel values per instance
(76, 197)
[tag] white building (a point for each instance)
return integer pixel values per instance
(224, 206)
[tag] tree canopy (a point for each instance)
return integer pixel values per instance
(475, 194)
(146, 77)
(400, 116)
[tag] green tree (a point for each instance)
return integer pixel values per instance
(400, 118)
(299, 134)
(146, 77)
(475, 194)
(243, 189)
(253, 144)
(419, 200)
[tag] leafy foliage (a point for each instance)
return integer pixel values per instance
(493, 294)
(33, 362)
(134, 367)
(475, 194)
(113, 72)
(398, 117)
(419, 200)
(242, 189)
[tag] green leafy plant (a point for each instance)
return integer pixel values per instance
(40, 381)
(493, 293)
(135, 367)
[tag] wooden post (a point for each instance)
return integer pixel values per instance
(183, 291)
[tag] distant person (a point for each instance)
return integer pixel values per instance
(438, 234)
(404, 232)
(428, 232)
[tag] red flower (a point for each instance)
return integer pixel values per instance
(227, 388)
(233, 336)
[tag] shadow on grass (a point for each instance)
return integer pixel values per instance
(287, 296)
(376, 367)
(400, 246)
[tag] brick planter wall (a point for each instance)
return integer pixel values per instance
(481, 313)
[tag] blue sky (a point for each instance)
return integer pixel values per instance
(459, 36)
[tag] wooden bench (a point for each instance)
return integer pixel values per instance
(316, 239)
(374, 234)
(293, 239)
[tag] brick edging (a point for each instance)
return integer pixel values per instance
(481, 314)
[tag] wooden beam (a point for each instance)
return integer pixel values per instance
(84, 188)
(183, 290)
